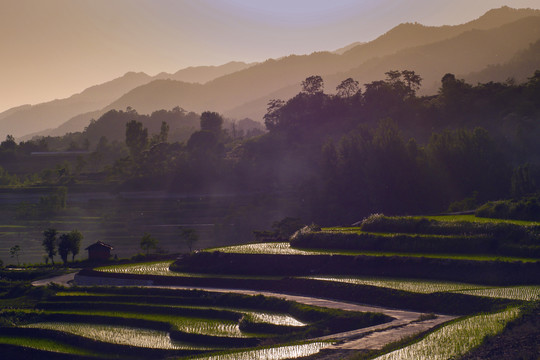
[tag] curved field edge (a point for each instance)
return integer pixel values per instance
(275, 353)
(122, 335)
(444, 303)
(66, 345)
(454, 339)
(285, 248)
(274, 318)
(526, 293)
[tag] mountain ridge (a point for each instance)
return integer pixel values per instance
(230, 92)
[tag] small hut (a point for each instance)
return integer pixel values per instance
(99, 251)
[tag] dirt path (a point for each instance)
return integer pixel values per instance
(64, 280)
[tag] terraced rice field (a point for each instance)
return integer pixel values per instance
(161, 268)
(273, 318)
(273, 248)
(122, 335)
(154, 268)
(43, 344)
(526, 293)
(472, 218)
(212, 327)
(274, 353)
(454, 339)
(284, 248)
(412, 285)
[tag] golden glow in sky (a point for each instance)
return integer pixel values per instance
(55, 48)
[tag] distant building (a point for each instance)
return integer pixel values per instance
(99, 251)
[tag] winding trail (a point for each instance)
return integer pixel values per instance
(405, 323)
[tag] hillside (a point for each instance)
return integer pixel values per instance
(260, 83)
(519, 68)
(429, 51)
(42, 118)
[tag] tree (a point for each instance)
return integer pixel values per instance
(522, 182)
(348, 88)
(75, 238)
(9, 143)
(49, 242)
(136, 138)
(63, 247)
(273, 114)
(14, 253)
(189, 237)
(211, 121)
(313, 85)
(148, 242)
(164, 132)
(412, 80)
(286, 227)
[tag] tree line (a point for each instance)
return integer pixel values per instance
(379, 147)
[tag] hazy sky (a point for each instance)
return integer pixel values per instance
(54, 48)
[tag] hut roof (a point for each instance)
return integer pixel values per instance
(99, 245)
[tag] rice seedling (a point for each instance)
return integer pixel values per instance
(274, 353)
(454, 339)
(152, 268)
(273, 318)
(42, 344)
(283, 248)
(273, 248)
(525, 293)
(213, 327)
(412, 285)
(122, 335)
(161, 268)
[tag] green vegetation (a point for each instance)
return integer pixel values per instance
(423, 235)
(132, 320)
(117, 334)
(44, 344)
(527, 209)
(286, 249)
(275, 353)
(456, 338)
(412, 285)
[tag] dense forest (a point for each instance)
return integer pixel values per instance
(376, 148)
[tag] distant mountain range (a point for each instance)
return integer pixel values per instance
(27, 119)
(497, 44)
